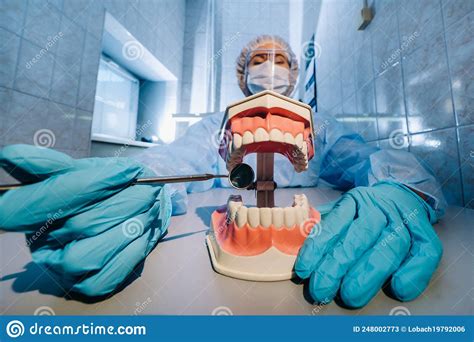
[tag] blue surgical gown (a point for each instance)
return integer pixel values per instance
(342, 158)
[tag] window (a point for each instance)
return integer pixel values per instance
(116, 101)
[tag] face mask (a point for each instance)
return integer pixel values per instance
(267, 76)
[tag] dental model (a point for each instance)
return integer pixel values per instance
(261, 243)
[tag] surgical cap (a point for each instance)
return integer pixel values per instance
(255, 44)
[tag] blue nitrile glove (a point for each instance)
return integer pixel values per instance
(371, 235)
(83, 222)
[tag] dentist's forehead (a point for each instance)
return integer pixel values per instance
(270, 45)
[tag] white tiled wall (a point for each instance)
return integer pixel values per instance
(49, 57)
(242, 21)
(409, 75)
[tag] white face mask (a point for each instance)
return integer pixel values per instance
(268, 76)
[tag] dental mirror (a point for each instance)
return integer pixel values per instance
(242, 176)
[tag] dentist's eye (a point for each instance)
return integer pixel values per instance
(257, 59)
(281, 60)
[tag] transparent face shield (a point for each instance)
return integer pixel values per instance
(268, 69)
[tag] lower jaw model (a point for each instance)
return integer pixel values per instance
(261, 243)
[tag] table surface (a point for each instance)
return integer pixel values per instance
(177, 277)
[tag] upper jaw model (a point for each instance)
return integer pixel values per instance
(261, 243)
(268, 123)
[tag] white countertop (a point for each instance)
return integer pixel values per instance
(177, 277)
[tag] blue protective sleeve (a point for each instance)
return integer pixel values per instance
(346, 161)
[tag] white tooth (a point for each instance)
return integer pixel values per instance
(301, 201)
(290, 217)
(277, 217)
(261, 135)
(229, 147)
(265, 217)
(298, 214)
(276, 135)
(241, 217)
(296, 200)
(237, 141)
(254, 217)
(305, 150)
(299, 141)
(247, 138)
(289, 139)
(232, 207)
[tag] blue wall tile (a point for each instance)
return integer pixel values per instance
(12, 15)
(27, 114)
(367, 123)
(427, 87)
(89, 68)
(422, 18)
(390, 102)
(349, 104)
(347, 77)
(346, 42)
(78, 11)
(439, 150)
(60, 121)
(42, 22)
(96, 15)
(454, 10)
(65, 83)
(460, 43)
(385, 38)
(71, 41)
(9, 47)
(364, 67)
(330, 89)
(82, 128)
(33, 73)
(466, 152)
(5, 99)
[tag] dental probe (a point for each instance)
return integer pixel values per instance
(178, 179)
(241, 177)
(150, 180)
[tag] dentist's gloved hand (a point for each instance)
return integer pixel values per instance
(82, 220)
(373, 234)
